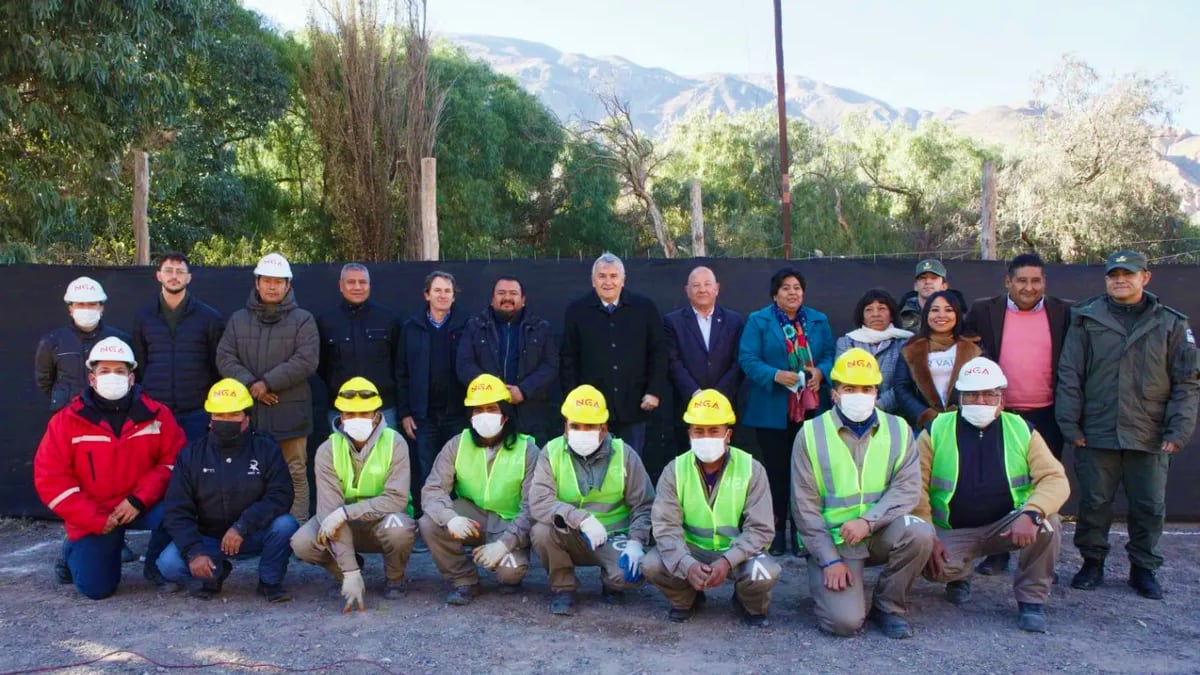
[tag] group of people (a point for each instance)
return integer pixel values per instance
(921, 447)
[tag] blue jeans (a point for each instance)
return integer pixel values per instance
(389, 418)
(271, 544)
(431, 434)
(194, 424)
(95, 560)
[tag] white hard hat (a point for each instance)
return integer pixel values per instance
(111, 349)
(85, 289)
(273, 265)
(981, 374)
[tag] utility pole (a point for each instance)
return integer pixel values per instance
(781, 101)
(987, 219)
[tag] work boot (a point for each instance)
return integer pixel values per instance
(751, 620)
(1143, 581)
(679, 615)
(958, 592)
(612, 596)
(993, 565)
(779, 545)
(127, 554)
(62, 573)
(1090, 575)
(151, 573)
(394, 590)
(274, 593)
(462, 595)
(210, 588)
(891, 625)
(1031, 617)
(563, 603)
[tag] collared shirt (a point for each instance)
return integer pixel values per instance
(705, 323)
(434, 322)
(1012, 306)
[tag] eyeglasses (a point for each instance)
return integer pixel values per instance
(358, 393)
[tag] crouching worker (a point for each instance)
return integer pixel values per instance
(712, 519)
(362, 476)
(590, 498)
(488, 466)
(228, 498)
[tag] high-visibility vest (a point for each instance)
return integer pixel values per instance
(607, 504)
(373, 474)
(943, 478)
(712, 528)
(497, 490)
(846, 492)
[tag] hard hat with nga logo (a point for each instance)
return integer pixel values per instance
(358, 395)
(981, 374)
(709, 407)
(856, 367)
(486, 389)
(273, 265)
(228, 396)
(111, 349)
(85, 289)
(585, 405)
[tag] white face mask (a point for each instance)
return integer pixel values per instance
(358, 428)
(112, 386)
(856, 407)
(979, 416)
(708, 450)
(86, 318)
(487, 424)
(583, 443)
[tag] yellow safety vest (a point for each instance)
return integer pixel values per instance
(497, 490)
(943, 478)
(607, 504)
(713, 528)
(374, 472)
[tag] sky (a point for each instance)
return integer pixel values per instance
(926, 54)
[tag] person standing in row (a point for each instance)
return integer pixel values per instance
(931, 360)
(875, 315)
(928, 278)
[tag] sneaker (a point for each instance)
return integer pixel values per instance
(62, 573)
(563, 603)
(394, 590)
(1144, 582)
(1090, 575)
(612, 596)
(993, 565)
(462, 595)
(891, 625)
(273, 592)
(751, 620)
(958, 592)
(1031, 617)
(127, 554)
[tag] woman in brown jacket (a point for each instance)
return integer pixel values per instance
(930, 361)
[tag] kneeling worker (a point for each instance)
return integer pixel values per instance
(712, 519)
(591, 498)
(488, 467)
(856, 477)
(991, 488)
(362, 477)
(230, 496)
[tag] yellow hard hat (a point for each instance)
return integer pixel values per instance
(228, 396)
(585, 405)
(709, 407)
(856, 366)
(358, 395)
(486, 389)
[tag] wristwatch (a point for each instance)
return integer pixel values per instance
(1034, 516)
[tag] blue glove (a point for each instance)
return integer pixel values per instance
(631, 560)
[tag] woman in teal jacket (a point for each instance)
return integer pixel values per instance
(785, 345)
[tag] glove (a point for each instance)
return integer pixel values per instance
(462, 528)
(331, 524)
(489, 556)
(352, 590)
(631, 560)
(593, 532)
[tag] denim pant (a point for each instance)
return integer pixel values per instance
(194, 424)
(431, 434)
(95, 560)
(271, 544)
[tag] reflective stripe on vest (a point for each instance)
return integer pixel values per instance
(497, 490)
(712, 528)
(608, 503)
(943, 479)
(374, 472)
(847, 493)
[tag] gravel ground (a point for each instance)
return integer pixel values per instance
(1110, 630)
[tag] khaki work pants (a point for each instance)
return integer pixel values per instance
(394, 541)
(562, 551)
(454, 565)
(752, 580)
(1035, 563)
(903, 548)
(295, 453)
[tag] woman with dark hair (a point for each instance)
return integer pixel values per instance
(930, 362)
(488, 467)
(875, 315)
(786, 353)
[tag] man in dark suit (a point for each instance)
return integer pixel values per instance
(702, 347)
(613, 340)
(1023, 331)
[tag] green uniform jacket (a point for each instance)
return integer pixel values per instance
(1130, 391)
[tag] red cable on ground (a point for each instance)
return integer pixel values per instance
(214, 664)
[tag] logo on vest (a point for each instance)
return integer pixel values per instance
(253, 470)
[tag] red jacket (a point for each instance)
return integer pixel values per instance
(82, 470)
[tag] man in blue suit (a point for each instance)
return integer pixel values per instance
(702, 346)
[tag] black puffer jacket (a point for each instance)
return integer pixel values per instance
(359, 340)
(60, 364)
(178, 370)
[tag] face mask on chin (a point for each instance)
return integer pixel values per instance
(979, 416)
(583, 443)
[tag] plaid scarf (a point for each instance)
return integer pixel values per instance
(798, 355)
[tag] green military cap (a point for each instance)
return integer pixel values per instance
(1126, 260)
(930, 265)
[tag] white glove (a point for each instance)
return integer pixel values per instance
(462, 528)
(331, 524)
(594, 532)
(489, 556)
(352, 590)
(631, 560)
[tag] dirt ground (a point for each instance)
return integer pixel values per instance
(1110, 630)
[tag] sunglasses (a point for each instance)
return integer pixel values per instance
(358, 393)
